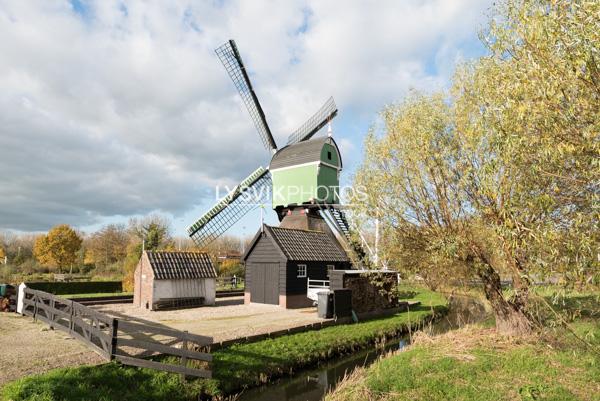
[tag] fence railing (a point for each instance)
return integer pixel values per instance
(314, 287)
(230, 283)
(321, 284)
(128, 342)
(81, 322)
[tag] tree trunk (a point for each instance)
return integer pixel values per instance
(511, 318)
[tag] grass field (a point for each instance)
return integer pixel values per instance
(475, 364)
(241, 365)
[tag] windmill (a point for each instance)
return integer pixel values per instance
(302, 177)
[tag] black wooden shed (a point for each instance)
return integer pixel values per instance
(280, 261)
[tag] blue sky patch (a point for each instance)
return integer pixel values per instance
(82, 8)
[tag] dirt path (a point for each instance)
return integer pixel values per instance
(27, 348)
(228, 319)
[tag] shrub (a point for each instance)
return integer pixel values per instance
(78, 287)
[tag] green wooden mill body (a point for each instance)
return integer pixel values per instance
(305, 173)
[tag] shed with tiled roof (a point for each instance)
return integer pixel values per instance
(279, 261)
(165, 279)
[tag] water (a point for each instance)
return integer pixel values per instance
(313, 384)
(309, 385)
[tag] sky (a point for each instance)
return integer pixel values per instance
(114, 109)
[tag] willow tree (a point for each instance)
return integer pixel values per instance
(503, 175)
(533, 107)
(413, 179)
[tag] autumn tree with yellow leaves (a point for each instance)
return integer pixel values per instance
(58, 249)
(501, 175)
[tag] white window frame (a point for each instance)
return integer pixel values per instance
(300, 268)
(329, 268)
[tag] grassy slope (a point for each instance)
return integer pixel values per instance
(105, 382)
(233, 368)
(251, 364)
(475, 364)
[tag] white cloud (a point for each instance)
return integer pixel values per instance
(124, 108)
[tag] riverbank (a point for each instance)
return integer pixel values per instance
(234, 368)
(474, 363)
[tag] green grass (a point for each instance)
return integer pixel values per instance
(104, 383)
(485, 373)
(96, 295)
(241, 365)
(476, 364)
(245, 365)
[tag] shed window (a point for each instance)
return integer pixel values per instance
(329, 155)
(329, 269)
(301, 270)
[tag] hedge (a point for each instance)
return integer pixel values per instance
(76, 287)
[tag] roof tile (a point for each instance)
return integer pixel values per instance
(181, 265)
(305, 245)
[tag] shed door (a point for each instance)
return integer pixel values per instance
(265, 283)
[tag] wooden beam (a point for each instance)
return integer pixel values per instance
(130, 327)
(164, 349)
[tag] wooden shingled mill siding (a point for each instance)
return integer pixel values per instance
(265, 287)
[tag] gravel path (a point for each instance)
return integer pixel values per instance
(228, 319)
(27, 347)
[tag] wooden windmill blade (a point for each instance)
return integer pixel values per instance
(248, 195)
(318, 120)
(232, 61)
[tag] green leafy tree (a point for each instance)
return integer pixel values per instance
(150, 233)
(154, 231)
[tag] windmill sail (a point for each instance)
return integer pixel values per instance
(246, 196)
(315, 123)
(232, 61)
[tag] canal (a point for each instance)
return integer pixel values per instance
(313, 384)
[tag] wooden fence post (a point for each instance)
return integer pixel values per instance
(184, 346)
(71, 324)
(52, 314)
(35, 306)
(114, 334)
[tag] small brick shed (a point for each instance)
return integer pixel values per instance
(174, 279)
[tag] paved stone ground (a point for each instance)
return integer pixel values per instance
(27, 348)
(228, 319)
